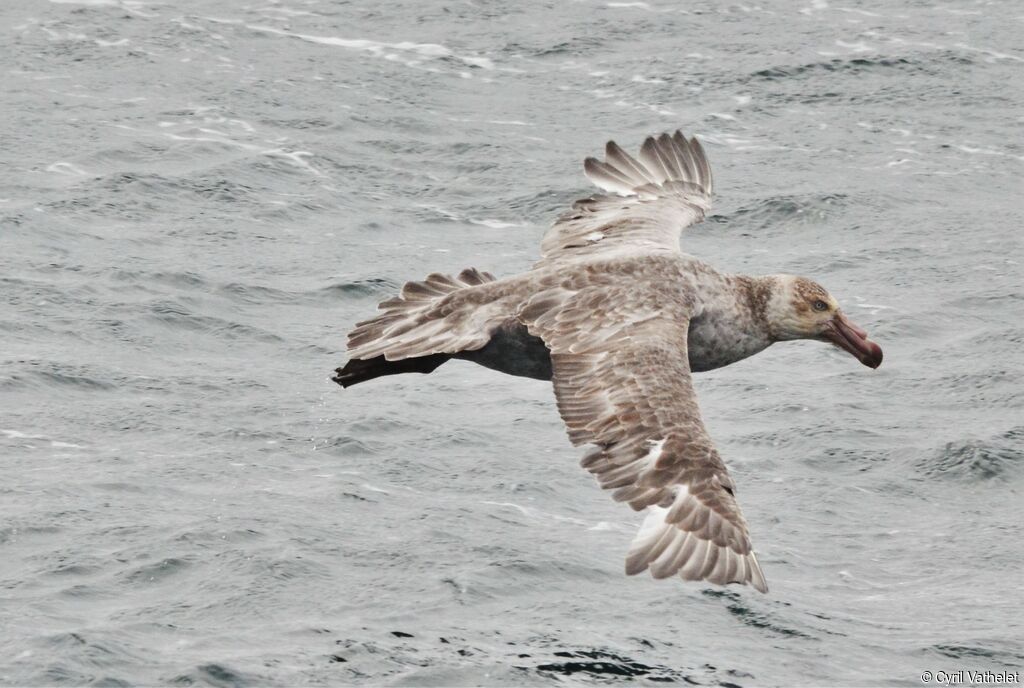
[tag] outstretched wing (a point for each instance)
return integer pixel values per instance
(622, 382)
(650, 201)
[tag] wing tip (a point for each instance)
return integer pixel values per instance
(756, 575)
(668, 550)
(664, 158)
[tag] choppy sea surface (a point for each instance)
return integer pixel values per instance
(198, 199)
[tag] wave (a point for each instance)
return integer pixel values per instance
(776, 211)
(999, 458)
(52, 374)
(862, 65)
(174, 315)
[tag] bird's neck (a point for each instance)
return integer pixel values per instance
(731, 323)
(754, 300)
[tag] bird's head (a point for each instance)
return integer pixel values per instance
(802, 309)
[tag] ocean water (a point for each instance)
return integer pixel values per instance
(199, 199)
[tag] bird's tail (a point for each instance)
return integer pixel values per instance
(421, 328)
(360, 370)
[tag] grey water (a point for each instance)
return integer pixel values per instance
(199, 199)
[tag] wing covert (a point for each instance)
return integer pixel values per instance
(622, 382)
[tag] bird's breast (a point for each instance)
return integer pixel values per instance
(716, 340)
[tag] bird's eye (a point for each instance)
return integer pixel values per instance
(820, 306)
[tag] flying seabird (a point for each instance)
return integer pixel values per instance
(617, 317)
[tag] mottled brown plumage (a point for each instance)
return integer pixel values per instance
(619, 319)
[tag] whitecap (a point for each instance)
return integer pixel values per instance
(67, 168)
(992, 54)
(18, 435)
(295, 158)
(858, 47)
(986, 151)
(494, 224)
(540, 515)
(289, 12)
(646, 80)
(853, 10)
(379, 49)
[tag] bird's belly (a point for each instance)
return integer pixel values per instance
(514, 351)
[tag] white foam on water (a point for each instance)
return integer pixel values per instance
(68, 168)
(511, 123)
(287, 11)
(992, 55)
(646, 80)
(482, 62)
(656, 109)
(816, 5)
(537, 514)
(987, 151)
(854, 10)
(18, 435)
(494, 224)
(58, 36)
(430, 51)
(858, 47)
(296, 158)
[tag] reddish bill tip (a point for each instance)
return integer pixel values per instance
(872, 358)
(851, 338)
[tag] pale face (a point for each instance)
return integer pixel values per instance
(805, 310)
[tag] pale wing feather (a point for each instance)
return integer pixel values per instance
(622, 382)
(651, 201)
(436, 315)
